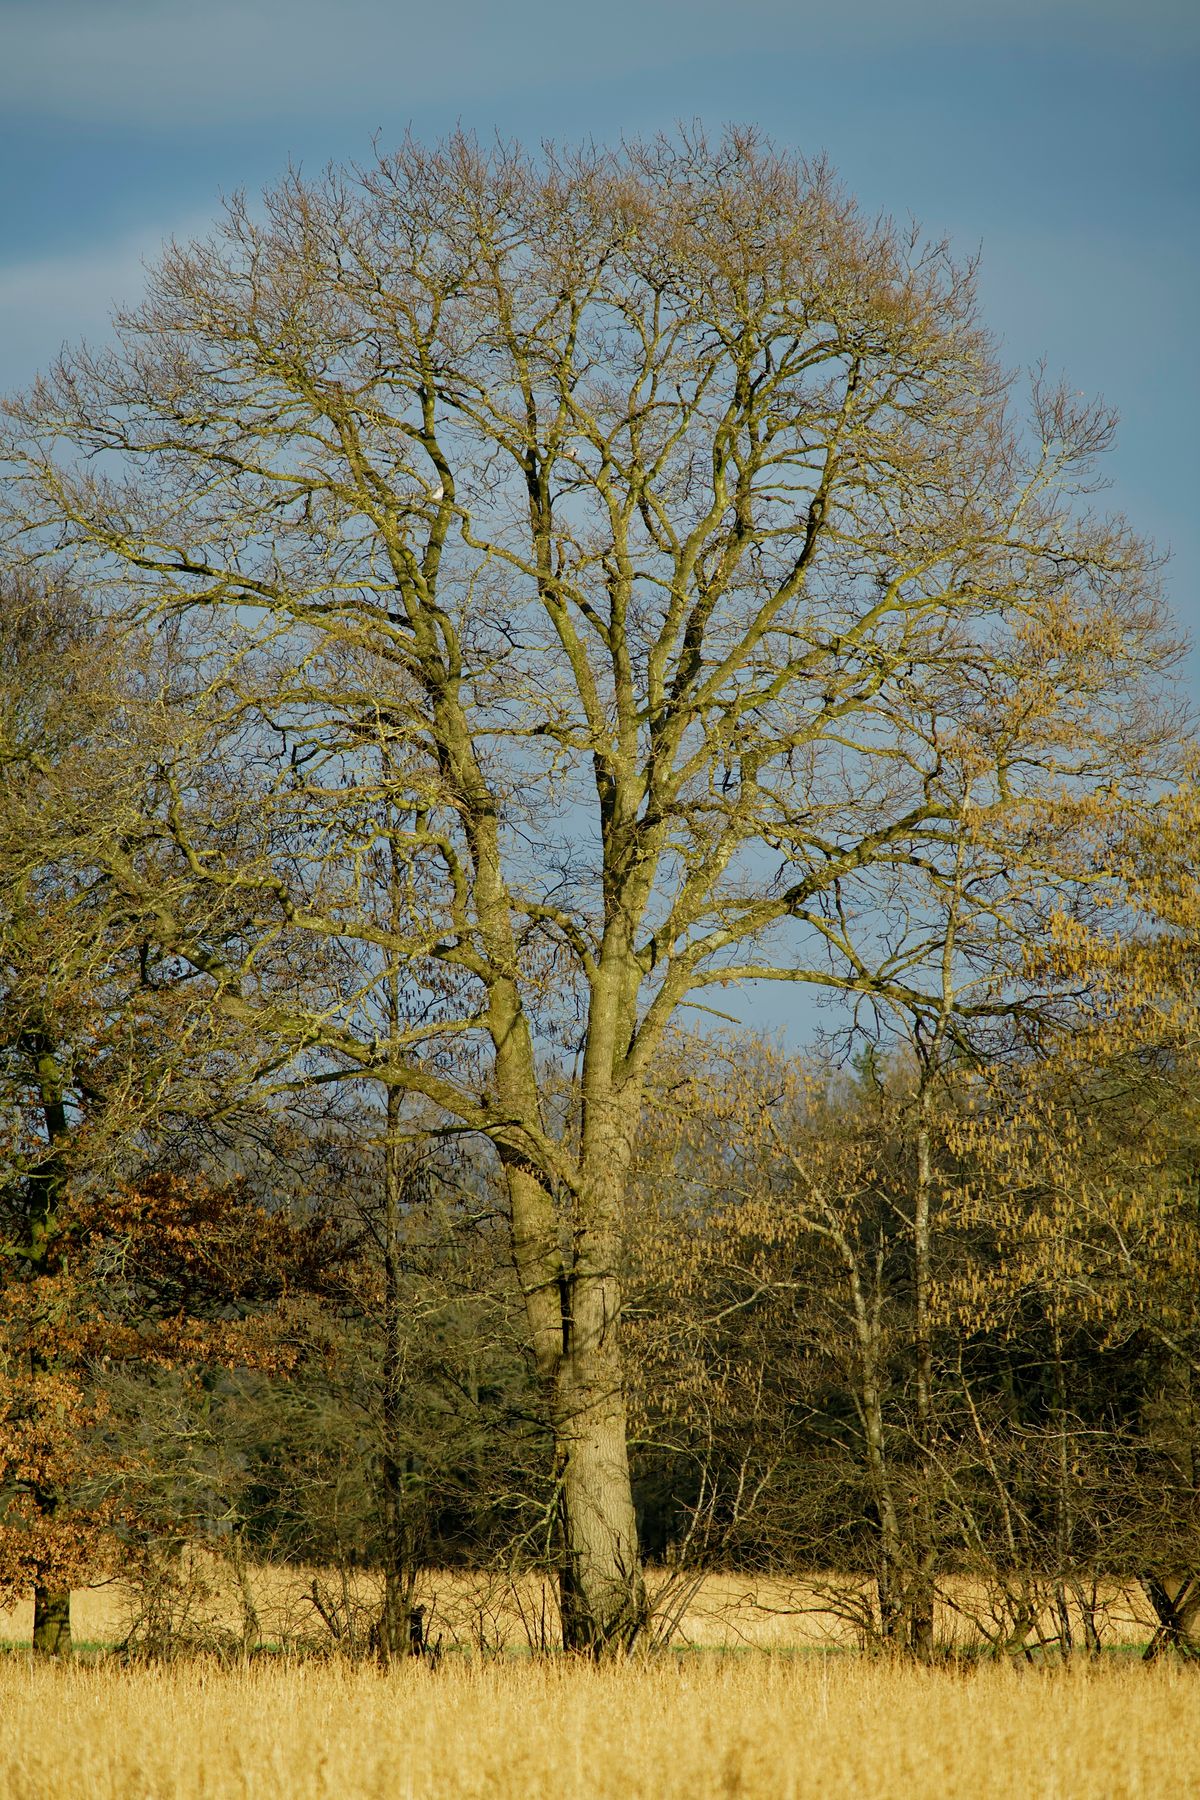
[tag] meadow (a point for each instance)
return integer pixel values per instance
(763, 1693)
(673, 1728)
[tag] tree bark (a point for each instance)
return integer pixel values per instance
(51, 1621)
(399, 1557)
(921, 1599)
(51, 1604)
(573, 1311)
(602, 1591)
(1176, 1613)
(891, 1579)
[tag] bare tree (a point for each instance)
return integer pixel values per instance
(589, 532)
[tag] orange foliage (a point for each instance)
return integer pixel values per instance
(171, 1273)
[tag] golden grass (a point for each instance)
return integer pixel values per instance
(674, 1728)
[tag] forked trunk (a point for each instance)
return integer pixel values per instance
(51, 1621)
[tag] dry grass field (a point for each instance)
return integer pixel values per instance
(674, 1728)
(719, 1719)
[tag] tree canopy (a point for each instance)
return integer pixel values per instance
(591, 580)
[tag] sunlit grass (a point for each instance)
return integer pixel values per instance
(731, 1722)
(676, 1728)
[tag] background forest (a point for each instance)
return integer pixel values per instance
(482, 611)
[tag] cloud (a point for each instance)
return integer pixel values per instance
(49, 301)
(162, 62)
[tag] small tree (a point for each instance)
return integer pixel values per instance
(172, 1274)
(104, 1053)
(77, 1039)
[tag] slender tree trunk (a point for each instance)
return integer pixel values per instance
(51, 1603)
(251, 1623)
(921, 1600)
(1063, 1524)
(51, 1621)
(398, 1573)
(393, 1623)
(892, 1578)
(400, 1630)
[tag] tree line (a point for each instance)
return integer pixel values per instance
(480, 609)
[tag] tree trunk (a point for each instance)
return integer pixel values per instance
(921, 1599)
(602, 1592)
(1062, 1501)
(396, 1635)
(573, 1307)
(1176, 1611)
(51, 1605)
(892, 1577)
(51, 1621)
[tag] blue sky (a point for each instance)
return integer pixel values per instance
(1058, 137)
